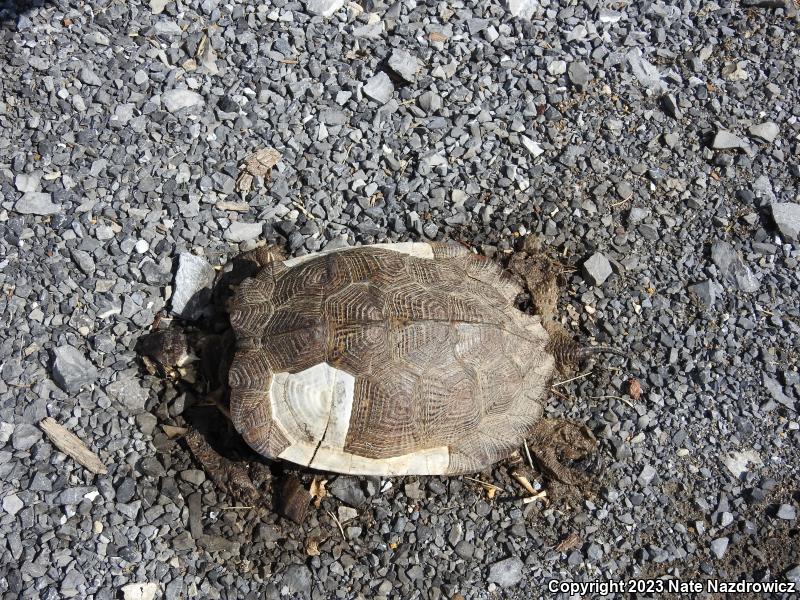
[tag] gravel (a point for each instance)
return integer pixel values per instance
(650, 146)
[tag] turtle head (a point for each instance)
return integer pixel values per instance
(167, 353)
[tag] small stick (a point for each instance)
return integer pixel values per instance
(71, 445)
(581, 376)
(237, 507)
(333, 516)
(528, 454)
(485, 484)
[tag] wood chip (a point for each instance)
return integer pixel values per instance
(233, 206)
(523, 481)
(318, 491)
(634, 388)
(312, 546)
(71, 445)
(173, 432)
(294, 500)
(568, 543)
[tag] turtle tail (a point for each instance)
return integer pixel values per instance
(570, 355)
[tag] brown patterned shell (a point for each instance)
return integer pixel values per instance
(391, 359)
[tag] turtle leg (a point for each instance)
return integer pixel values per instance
(555, 441)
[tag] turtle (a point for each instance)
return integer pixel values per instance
(394, 359)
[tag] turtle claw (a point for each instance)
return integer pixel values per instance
(555, 441)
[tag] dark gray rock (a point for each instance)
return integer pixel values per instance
(348, 490)
(297, 579)
(71, 369)
(25, 436)
(579, 74)
(597, 269)
(732, 268)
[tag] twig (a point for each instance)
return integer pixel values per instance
(237, 507)
(486, 484)
(333, 516)
(528, 454)
(581, 376)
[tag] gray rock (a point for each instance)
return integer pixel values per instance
(531, 146)
(647, 475)
(764, 131)
(719, 546)
(706, 292)
(238, 231)
(25, 436)
(787, 217)
(557, 67)
(194, 280)
(193, 476)
(647, 74)
(737, 462)
(123, 113)
(506, 573)
(36, 203)
(524, 9)
(786, 512)
(71, 369)
(725, 140)
(324, 8)
(404, 64)
(793, 575)
(298, 579)
(579, 74)
(12, 504)
(348, 490)
(129, 393)
(733, 268)
(776, 391)
(379, 87)
(89, 77)
(670, 106)
(597, 269)
(28, 182)
(141, 591)
(178, 99)
(430, 102)
(158, 6)
(6, 429)
(346, 514)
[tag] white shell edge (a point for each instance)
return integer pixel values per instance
(317, 404)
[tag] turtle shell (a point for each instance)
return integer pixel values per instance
(391, 359)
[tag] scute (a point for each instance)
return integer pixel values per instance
(447, 375)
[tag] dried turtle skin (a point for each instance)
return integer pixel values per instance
(392, 359)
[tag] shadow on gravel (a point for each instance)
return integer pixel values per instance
(11, 11)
